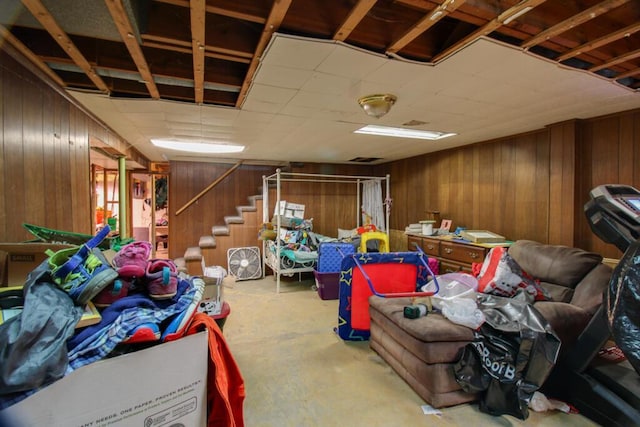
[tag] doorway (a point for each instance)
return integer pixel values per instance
(106, 198)
(150, 211)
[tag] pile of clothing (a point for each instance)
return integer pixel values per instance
(142, 301)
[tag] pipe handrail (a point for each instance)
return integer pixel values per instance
(209, 187)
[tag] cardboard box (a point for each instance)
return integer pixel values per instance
(17, 260)
(294, 210)
(481, 236)
(165, 385)
(286, 222)
(211, 303)
(290, 210)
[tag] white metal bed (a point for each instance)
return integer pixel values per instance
(272, 258)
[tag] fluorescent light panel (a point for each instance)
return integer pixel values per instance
(198, 147)
(402, 132)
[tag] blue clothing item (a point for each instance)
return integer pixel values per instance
(120, 319)
(32, 344)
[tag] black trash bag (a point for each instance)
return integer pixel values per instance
(623, 305)
(511, 356)
(33, 349)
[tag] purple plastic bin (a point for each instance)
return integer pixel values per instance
(327, 284)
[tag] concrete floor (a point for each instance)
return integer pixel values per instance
(299, 373)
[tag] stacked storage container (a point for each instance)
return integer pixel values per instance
(327, 272)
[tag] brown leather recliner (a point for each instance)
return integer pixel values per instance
(423, 351)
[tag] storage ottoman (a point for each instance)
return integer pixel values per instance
(422, 351)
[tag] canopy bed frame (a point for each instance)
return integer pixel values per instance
(272, 258)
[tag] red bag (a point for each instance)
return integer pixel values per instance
(501, 275)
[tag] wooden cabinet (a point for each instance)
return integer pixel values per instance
(462, 252)
(453, 256)
(448, 266)
(431, 246)
(412, 241)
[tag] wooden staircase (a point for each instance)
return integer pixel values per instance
(240, 230)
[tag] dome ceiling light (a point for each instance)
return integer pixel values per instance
(377, 105)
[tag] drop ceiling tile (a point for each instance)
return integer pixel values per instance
(252, 119)
(258, 106)
(219, 115)
(476, 57)
(273, 94)
(315, 100)
(280, 76)
(351, 62)
(140, 106)
(294, 52)
(393, 71)
(297, 110)
(327, 83)
(287, 123)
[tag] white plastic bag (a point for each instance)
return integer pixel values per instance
(463, 311)
(452, 286)
(540, 403)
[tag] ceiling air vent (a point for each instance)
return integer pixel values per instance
(365, 159)
(414, 123)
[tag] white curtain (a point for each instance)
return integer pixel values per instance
(372, 206)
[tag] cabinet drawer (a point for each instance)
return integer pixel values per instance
(462, 253)
(431, 247)
(447, 266)
(412, 241)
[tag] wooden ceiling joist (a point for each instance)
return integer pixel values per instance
(601, 41)
(37, 61)
(198, 46)
(43, 16)
(627, 74)
(615, 61)
(574, 21)
(127, 34)
(429, 20)
(276, 16)
(220, 11)
(207, 54)
(504, 18)
(356, 15)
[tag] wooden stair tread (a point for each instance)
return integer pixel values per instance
(220, 230)
(207, 242)
(193, 254)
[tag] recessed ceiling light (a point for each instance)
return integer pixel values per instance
(198, 147)
(402, 132)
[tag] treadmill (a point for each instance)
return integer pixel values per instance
(609, 394)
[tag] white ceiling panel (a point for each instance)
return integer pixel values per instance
(351, 62)
(328, 83)
(302, 103)
(295, 52)
(392, 72)
(280, 76)
(273, 94)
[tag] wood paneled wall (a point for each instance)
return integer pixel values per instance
(502, 186)
(608, 153)
(330, 205)
(529, 186)
(44, 156)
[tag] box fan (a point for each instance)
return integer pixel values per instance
(245, 263)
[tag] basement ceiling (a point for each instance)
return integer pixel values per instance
(282, 77)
